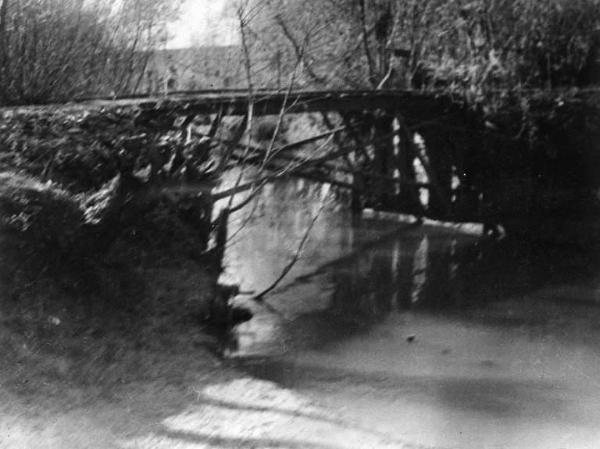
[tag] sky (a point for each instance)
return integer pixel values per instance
(204, 22)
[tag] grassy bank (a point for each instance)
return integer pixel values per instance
(102, 282)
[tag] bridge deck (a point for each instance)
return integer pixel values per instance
(235, 102)
(265, 102)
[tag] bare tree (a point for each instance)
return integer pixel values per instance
(57, 50)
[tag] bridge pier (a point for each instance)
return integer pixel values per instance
(385, 163)
(408, 199)
(440, 167)
(394, 187)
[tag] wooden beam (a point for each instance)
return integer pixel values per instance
(268, 102)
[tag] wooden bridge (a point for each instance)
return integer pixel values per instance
(369, 148)
(384, 146)
(269, 102)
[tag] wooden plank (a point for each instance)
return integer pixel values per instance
(265, 102)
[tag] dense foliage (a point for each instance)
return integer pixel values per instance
(459, 44)
(74, 181)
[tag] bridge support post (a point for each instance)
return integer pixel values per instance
(396, 187)
(355, 126)
(408, 199)
(436, 161)
(384, 162)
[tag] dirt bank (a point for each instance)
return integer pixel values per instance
(78, 374)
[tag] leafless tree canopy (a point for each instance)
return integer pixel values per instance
(54, 50)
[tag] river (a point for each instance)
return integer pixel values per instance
(419, 332)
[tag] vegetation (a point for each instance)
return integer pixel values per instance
(466, 45)
(87, 205)
(59, 50)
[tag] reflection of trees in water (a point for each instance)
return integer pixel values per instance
(368, 287)
(360, 298)
(425, 273)
(419, 270)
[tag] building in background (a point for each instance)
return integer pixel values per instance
(198, 68)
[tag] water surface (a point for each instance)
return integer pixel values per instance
(422, 333)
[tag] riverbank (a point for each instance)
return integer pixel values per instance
(80, 363)
(76, 374)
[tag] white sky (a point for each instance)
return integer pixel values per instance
(204, 22)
